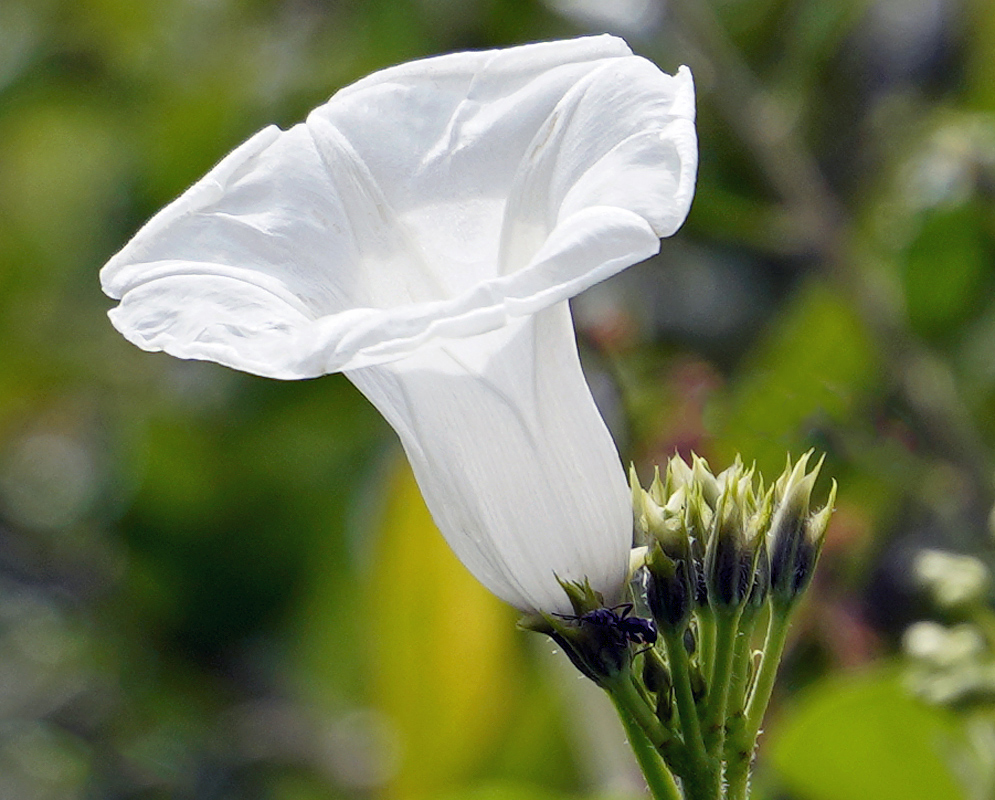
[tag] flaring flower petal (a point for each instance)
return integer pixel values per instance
(424, 201)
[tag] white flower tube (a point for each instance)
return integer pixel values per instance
(421, 232)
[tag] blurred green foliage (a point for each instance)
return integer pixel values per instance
(216, 586)
(867, 738)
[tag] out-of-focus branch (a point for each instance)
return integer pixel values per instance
(826, 231)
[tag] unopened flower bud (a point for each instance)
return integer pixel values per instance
(647, 514)
(761, 578)
(656, 676)
(661, 515)
(670, 588)
(698, 684)
(679, 475)
(762, 505)
(731, 552)
(657, 515)
(659, 490)
(637, 559)
(796, 536)
(711, 488)
(698, 520)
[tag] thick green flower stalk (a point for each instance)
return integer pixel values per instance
(690, 661)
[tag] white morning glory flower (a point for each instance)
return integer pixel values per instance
(421, 232)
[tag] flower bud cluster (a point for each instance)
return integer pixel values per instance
(726, 541)
(716, 555)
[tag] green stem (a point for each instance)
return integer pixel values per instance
(705, 618)
(743, 741)
(625, 694)
(742, 653)
(738, 776)
(777, 633)
(701, 777)
(738, 757)
(726, 628)
(677, 658)
(659, 779)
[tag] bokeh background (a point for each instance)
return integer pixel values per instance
(219, 587)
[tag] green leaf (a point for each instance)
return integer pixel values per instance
(945, 268)
(815, 365)
(865, 738)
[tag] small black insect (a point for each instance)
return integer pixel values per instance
(630, 629)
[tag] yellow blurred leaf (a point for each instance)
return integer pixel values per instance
(445, 655)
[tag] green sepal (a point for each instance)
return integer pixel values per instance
(600, 652)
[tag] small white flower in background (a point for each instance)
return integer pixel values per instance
(421, 232)
(940, 646)
(954, 580)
